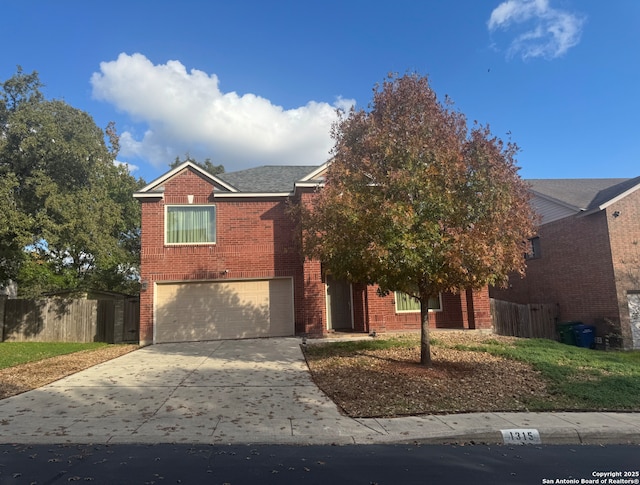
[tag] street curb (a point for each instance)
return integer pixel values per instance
(554, 436)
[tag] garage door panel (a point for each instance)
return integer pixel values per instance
(224, 310)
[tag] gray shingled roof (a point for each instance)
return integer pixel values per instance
(268, 178)
(583, 194)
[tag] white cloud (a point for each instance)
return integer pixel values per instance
(187, 112)
(542, 31)
(132, 168)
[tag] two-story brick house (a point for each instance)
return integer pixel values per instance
(220, 259)
(586, 257)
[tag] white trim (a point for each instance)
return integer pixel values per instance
(154, 311)
(223, 280)
(148, 195)
(317, 171)
(240, 195)
(432, 310)
(308, 184)
(618, 197)
(202, 243)
(179, 168)
(609, 202)
(327, 309)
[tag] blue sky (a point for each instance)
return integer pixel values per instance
(254, 82)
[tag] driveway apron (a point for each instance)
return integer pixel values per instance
(232, 391)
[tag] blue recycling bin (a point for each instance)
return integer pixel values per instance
(585, 336)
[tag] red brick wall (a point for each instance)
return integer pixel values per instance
(479, 309)
(574, 271)
(255, 239)
(623, 218)
(381, 315)
(311, 313)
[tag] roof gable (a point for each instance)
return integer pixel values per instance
(156, 188)
(558, 198)
(319, 174)
(582, 194)
(608, 196)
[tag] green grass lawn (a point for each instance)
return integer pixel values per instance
(15, 353)
(583, 378)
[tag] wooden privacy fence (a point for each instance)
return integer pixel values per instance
(535, 320)
(69, 320)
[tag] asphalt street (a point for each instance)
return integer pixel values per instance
(286, 464)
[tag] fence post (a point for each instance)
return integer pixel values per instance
(118, 321)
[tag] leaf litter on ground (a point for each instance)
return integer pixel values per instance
(388, 380)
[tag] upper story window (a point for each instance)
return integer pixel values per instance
(406, 303)
(190, 224)
(533, 248)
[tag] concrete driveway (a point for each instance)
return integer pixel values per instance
(250, 391)
(216, 392)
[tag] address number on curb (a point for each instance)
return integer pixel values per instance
(521, 436)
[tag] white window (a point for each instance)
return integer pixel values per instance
(190, 224)
(409, 304)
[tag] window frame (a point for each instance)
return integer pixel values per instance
(534, 250)
(200, 243)
(432, 310)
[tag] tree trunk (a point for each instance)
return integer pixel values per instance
(425, 348)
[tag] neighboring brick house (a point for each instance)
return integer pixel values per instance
(586, 257)
(220, 259)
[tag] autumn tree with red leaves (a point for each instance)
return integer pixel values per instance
(416, 202)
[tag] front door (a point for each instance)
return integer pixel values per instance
(634, 315)
(339, 314)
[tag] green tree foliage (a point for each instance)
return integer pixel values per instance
(75, 223)
(206, 165)
(416, 202)
(14, 228)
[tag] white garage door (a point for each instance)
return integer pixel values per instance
(224, 310)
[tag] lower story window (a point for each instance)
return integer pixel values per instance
(192, 224)
(406, 303)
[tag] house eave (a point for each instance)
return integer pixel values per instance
(611, 201)
(317, 171)
(244, 195)
(619, 197)
(148, 195)
(304, 185)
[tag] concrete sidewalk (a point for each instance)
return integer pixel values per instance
(252, 391)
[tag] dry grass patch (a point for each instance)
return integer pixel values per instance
(25, 377)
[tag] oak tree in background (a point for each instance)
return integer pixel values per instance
(206, 165)
(416, 202)
(76, 224)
